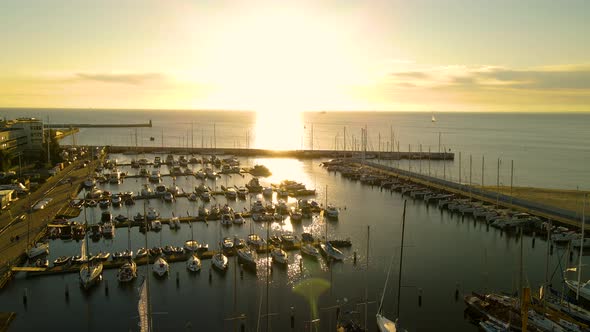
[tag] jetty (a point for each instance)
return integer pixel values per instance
(300, 154)
(563, 216)
(98, 125)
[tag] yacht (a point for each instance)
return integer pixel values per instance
(329, 251)
(155, 176)
(310, 251)
(90, 272)
(116, 201)
(174, 223)
(108, 230)
(194, 263)
(146, 191)
(279, 256)
(168, 197)
(191, 245)
(254, 185)
(267, 192)
(156, 225)
(219, 261)
(231, 193)
(247, 257)
(127, 272)
(226, 219)
(38, 250)
(242, 192)
(331, 212)
(205, 196)
(239, 219)
(160, 267)
(227, 243)
(152, 214)
(141, 252)
(254, 240)
(115, 177)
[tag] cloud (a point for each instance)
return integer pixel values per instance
(124, 78)
(578, 78)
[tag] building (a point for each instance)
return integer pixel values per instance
(6, 196)
(23, 136)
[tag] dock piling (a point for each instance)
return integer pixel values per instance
(106, 287)
(419, 297)
(67, 293)
(210, 276)
(457, 293)
(177, 279)
(355, 257)
(25, 296)
(534, 236)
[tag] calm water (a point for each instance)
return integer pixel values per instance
(441, 252)
(548, 150)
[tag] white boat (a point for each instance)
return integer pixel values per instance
(329, 251)
(247, 257)
(227, 243)
(254, 240)
(108, 230)
(155, 176)
(239, 219)
(39, 249)
(168, 197)
(152, 214)
(191, 245)
(310, 251)
(242, 192)
(584, 288)
(193, 264)
(156, 225)
(127, 272)
(219, 261)
(146, 191)
(192, 197)
(332, 212)
(90, 272)
(231, 193)
(174, 223)
(226, 219)
(279, 256)
(115, 177)
(564, 237)
(205, 196)
(160, 267)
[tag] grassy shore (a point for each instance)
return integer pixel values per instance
(565, 199)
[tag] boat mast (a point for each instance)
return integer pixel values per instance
(147, 273)
(401, 259)
(367, 275)
(581, 247)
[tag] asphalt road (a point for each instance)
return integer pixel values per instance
(60, 189)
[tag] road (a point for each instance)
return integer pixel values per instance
(60, 189)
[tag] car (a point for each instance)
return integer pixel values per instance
(42, 204)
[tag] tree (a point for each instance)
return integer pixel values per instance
(54, 149)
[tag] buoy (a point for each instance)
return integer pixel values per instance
(419, 297)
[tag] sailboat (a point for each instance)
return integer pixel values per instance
(384, 324)
(160, 266)
(90, 272)
(219, 260)
(194, 263)
(128, 271)
(433, 118)
(191, 245)
(576, 286)
(326, 247)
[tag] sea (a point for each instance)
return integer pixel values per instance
(444, 254)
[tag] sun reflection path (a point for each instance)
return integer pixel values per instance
(279, 130)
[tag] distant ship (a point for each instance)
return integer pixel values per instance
(433, 118)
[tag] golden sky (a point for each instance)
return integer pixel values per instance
(456, 55)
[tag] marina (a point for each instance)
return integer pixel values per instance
(370, 181)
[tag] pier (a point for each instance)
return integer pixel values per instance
(98, 125)
(300, 154)
(563, 216)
